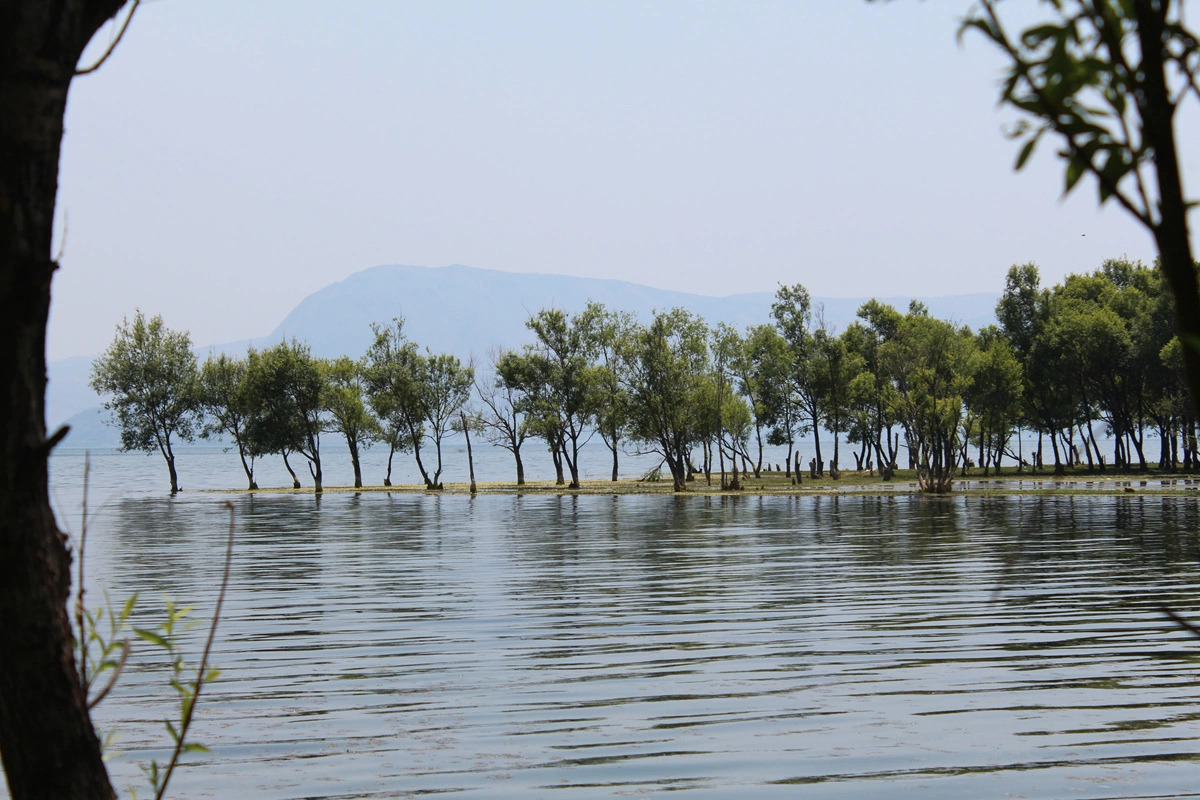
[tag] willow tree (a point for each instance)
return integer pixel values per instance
(446, 387)
(932, 363)
(561, 359)
(667, 367)
(228, 408)
(394, 371)
(288, 387)
(503, 419)
(148, 376)
(604, 331)
(344, 400)
(792, 312)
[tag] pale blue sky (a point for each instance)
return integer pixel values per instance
(235, 155)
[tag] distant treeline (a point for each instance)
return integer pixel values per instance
(1095, 350)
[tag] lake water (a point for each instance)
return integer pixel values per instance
(723, 647)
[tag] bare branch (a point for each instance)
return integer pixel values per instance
(113, 46)
(95, 701)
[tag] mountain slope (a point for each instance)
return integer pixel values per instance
(465, 310)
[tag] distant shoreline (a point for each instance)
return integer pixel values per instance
(851, 484)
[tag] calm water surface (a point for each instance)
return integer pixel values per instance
(740, 647)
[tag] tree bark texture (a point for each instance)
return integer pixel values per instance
(1171, 232)
(47, 743)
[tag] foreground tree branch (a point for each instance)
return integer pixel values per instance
(1098, 75)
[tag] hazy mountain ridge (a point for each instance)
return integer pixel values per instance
(468, 311)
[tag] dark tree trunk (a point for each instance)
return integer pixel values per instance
(247, 467)
(314, 469)
(171, 470)
(354, 461)
(758, 436)
(615, 464)
(437, 474)
(1171, 232)
(47, 743)
(817, 446)
(559, 480)
(292, 472)
(421, 464)
(678, 473)
(470, 456)
(721, 459)
(387, 479)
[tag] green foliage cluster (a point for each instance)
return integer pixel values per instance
(1099, 348)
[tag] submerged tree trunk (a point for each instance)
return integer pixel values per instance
(171, 470)
(47, 743)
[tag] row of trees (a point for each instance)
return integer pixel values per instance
(280, 400)
(1096, 350)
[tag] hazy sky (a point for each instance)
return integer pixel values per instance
(234, 156)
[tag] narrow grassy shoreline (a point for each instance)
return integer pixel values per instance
(1152, 482)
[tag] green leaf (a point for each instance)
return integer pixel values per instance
(152, 637)
(129, 604)
(1025, 153)
(193, 747)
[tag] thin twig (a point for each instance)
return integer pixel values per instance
(114, 44)
(212, 633)
(62, 243)
(125, 648)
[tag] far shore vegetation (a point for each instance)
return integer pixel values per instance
(1091, 366)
